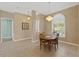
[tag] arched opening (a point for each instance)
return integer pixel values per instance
(58, 24)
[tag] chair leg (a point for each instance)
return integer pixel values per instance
(44, 45)
(40, 45)
(57, 45)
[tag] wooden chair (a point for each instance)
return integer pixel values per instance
(43, 42)
(55, 41)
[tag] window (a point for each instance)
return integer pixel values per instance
(58, 24)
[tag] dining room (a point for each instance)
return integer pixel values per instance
(50, 30)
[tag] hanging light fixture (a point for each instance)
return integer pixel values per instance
(49, 17)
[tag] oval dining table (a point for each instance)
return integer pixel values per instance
(50, 39)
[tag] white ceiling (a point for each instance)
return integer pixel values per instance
(42, 7)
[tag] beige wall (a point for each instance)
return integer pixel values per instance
(71, 20)
(78, 27)
(78, 23)
(0, 27)
(6, 14)
(42, 22)
(20, 34)
(47, 28)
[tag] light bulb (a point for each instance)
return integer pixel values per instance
(28, 18)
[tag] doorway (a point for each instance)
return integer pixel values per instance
(6, 29)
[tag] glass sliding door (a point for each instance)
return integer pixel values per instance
(6, 29)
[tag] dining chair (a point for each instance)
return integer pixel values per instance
(55, 41)
(43, 42)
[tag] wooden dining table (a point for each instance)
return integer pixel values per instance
(50, 39)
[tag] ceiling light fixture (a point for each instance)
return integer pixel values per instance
(49, 17)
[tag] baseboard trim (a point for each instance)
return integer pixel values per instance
(35, 41)
(5, 37)
(69, 43)
(22, 39)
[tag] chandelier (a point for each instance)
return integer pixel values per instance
(49, 17)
